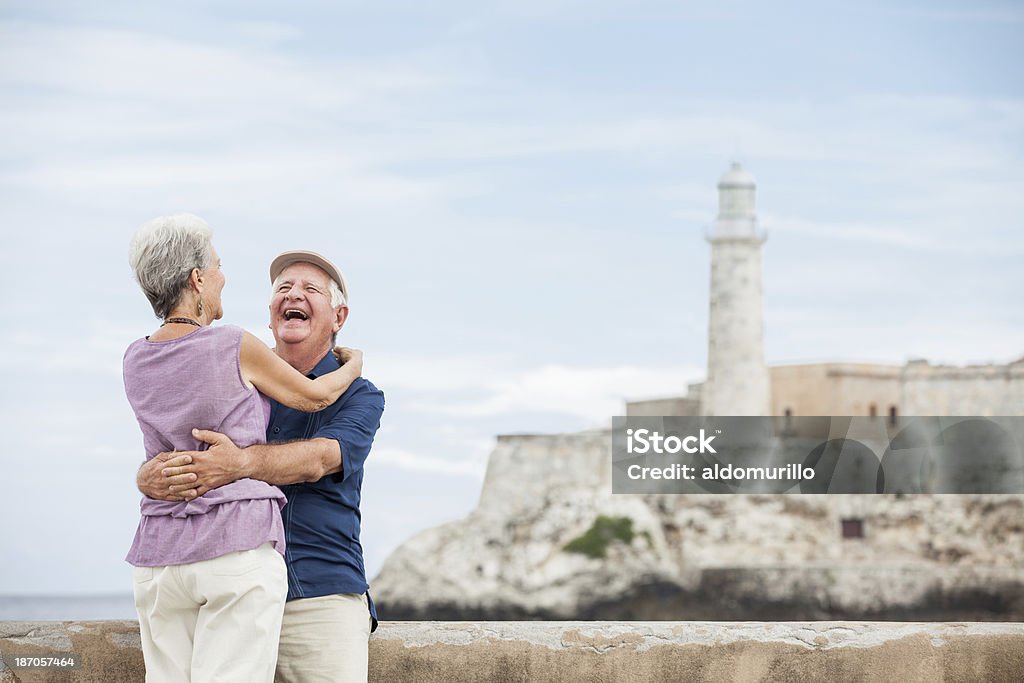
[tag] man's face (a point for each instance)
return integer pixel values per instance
(300, 307)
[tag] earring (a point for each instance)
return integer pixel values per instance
(200, 307)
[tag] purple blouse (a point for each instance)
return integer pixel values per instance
(190, 382)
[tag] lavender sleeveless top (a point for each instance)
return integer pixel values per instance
(174, 386)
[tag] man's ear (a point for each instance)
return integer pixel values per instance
(340, 316)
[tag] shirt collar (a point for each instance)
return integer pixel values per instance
(327, 364)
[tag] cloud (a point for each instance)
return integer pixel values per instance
(407, 460)
(92, 94)
(870, 233)
(268, 32)
(96, 350)
(997, 13)
(592, 394)
(97, 63)
(437, 373)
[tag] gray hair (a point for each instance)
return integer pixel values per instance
(163, 253)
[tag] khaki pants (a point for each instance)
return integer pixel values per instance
(217, 620)
(324, 640)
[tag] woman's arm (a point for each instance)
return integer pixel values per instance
(286, 385)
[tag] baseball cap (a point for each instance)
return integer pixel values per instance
(289, 257)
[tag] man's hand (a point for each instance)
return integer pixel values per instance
(153, 483)
(221, 464)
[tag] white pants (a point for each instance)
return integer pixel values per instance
(212, 621)
(324, 640)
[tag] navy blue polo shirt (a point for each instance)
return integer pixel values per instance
(321, 519)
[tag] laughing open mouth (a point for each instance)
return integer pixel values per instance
(295, 314)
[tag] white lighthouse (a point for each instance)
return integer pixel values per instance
(737, 380)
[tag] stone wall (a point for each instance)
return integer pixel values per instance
(835, 388)
(657, 407)
(838, 388)
(447, 652)
(524, 470)
(973, 390)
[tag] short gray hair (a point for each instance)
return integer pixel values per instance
(163, 253)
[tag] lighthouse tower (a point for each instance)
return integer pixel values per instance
(737, 379)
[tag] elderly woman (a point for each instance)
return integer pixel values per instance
(210, 579)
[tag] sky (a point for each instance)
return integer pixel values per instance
(518, 194)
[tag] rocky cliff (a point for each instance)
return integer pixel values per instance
(548, 540)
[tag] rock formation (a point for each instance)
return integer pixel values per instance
(720, 557)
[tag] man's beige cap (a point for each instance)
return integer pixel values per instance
(289, 257)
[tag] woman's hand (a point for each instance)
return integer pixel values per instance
(347, 356)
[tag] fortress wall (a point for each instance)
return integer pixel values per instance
(451, 652)
(834, 388)
(972, 390)
(917, 388)
(658, 407)
(523, 467)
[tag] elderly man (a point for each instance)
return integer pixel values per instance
(318, 462)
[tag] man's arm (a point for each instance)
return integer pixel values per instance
(338, 448)
(294, 461)
(353, 428)
(224, 462)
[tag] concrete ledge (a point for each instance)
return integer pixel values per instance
(598, 651)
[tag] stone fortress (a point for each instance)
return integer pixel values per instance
(548, 540)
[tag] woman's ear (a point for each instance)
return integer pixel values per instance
(196, 278)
